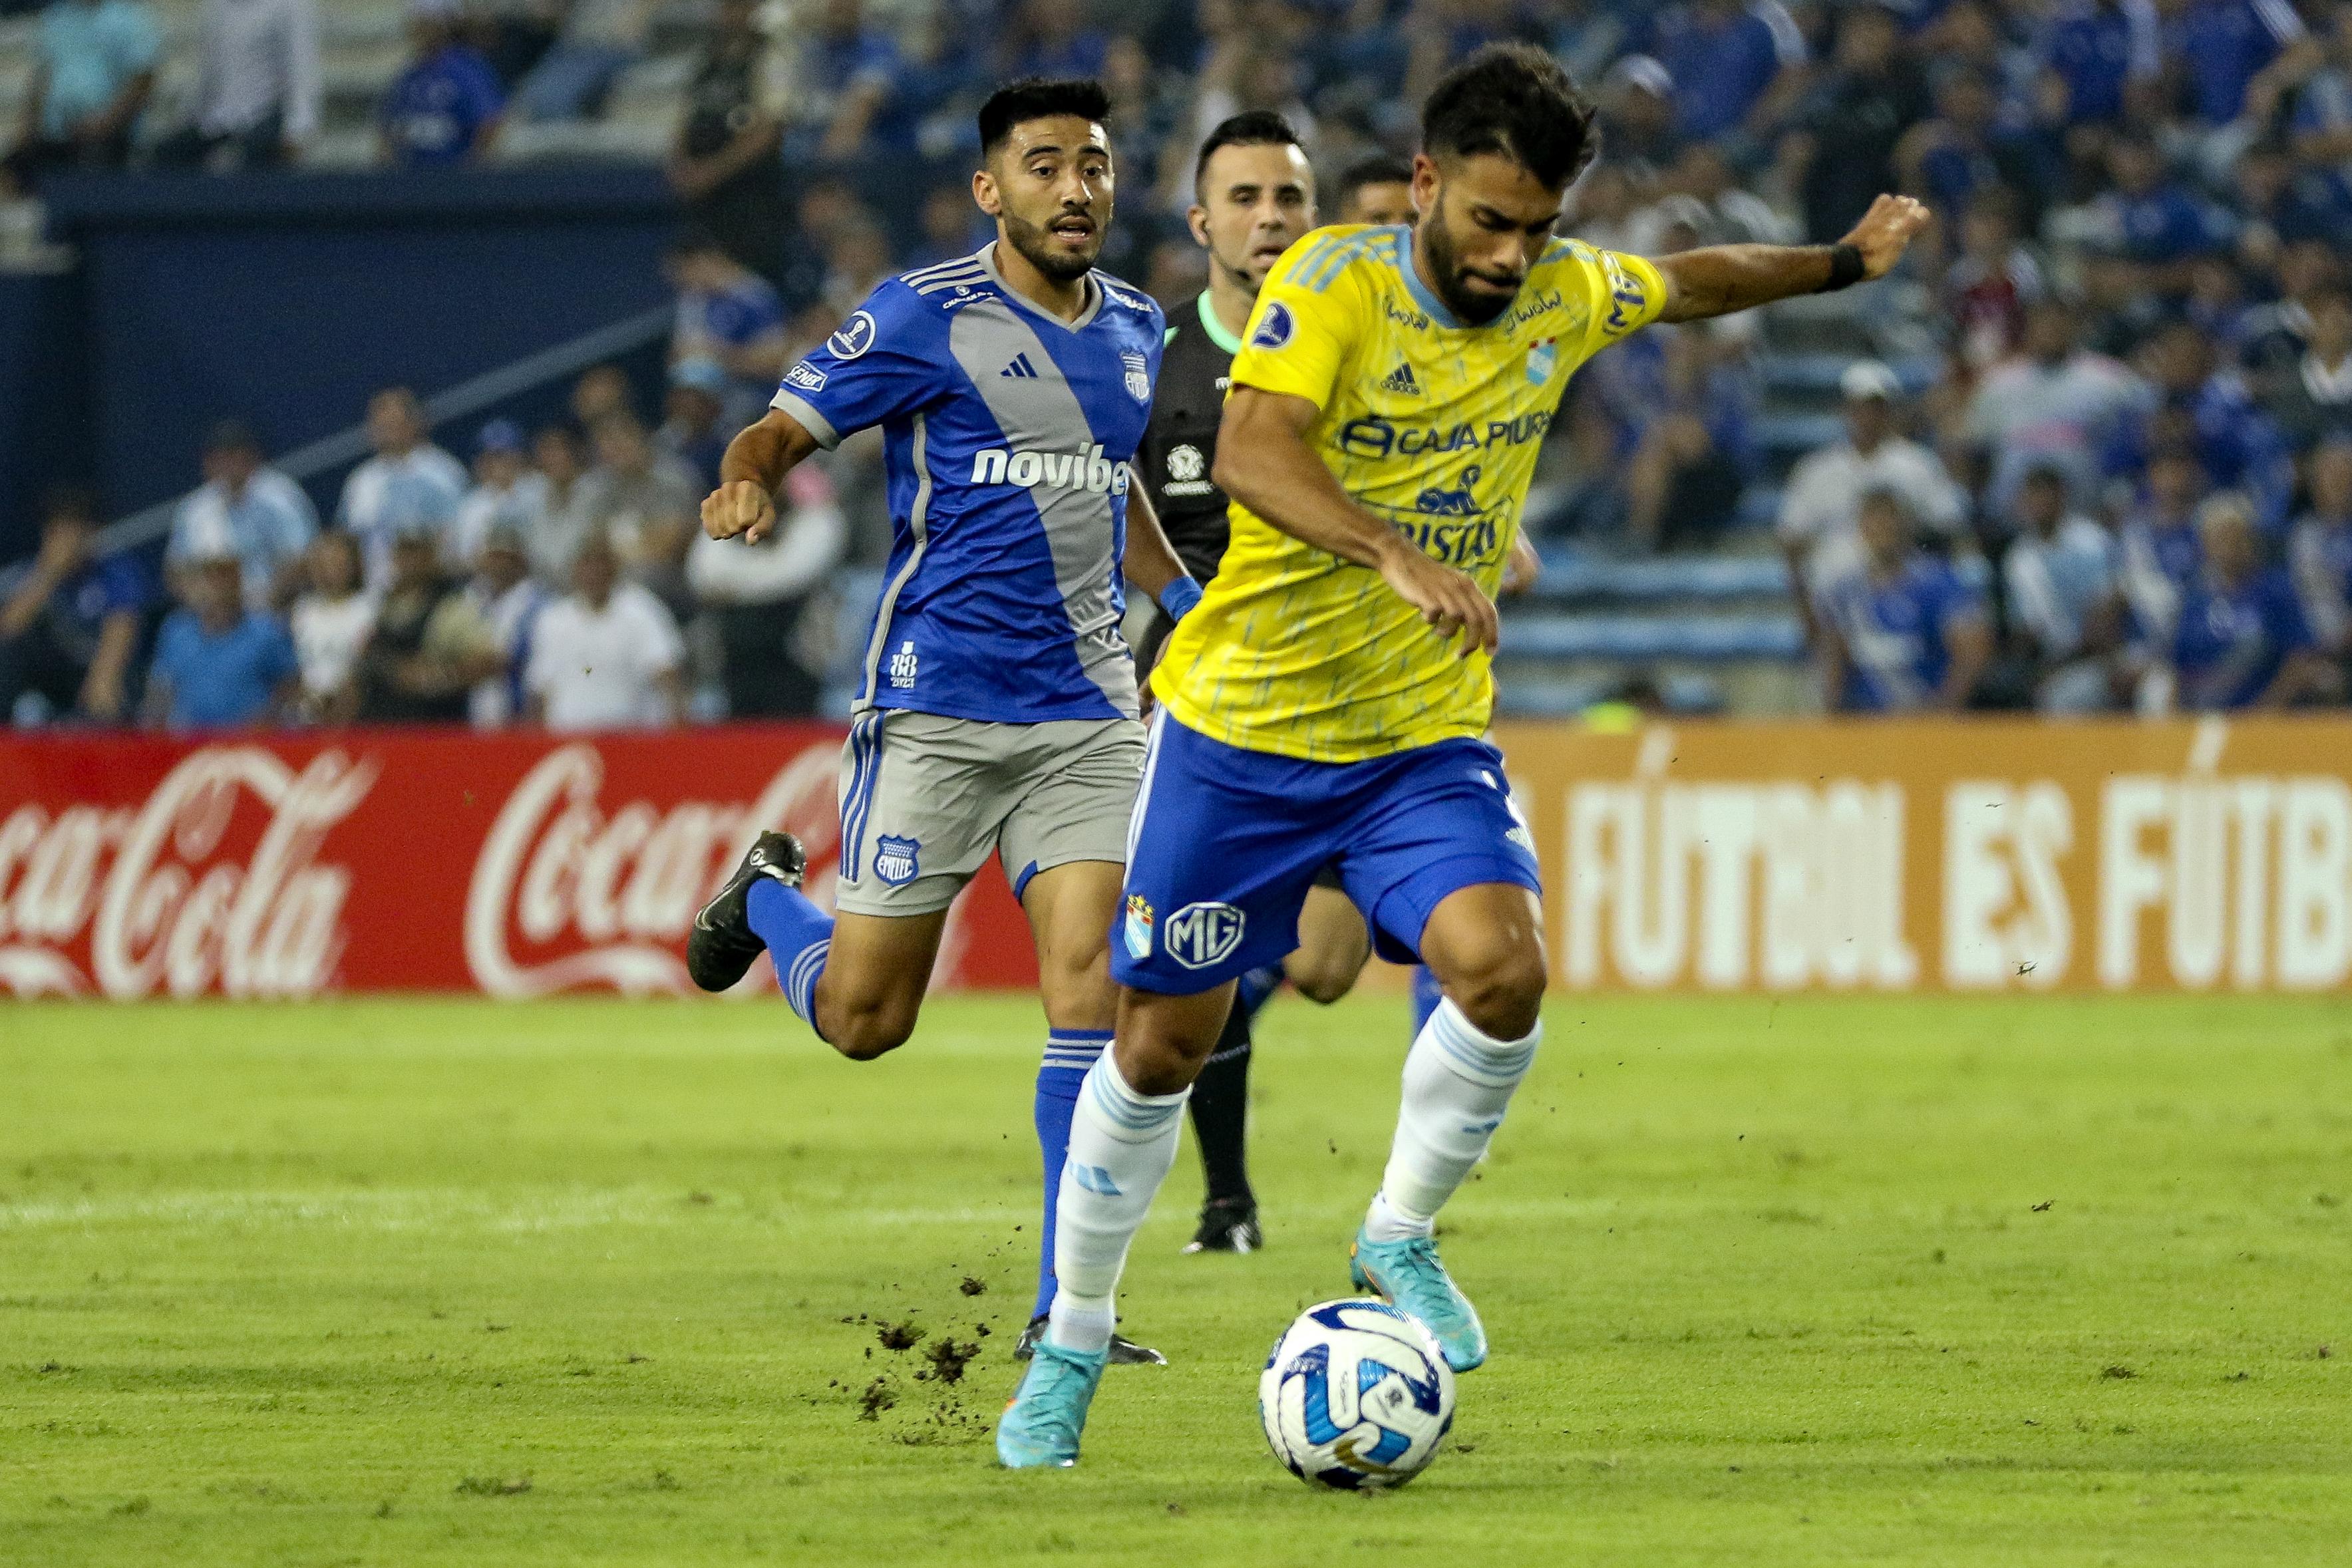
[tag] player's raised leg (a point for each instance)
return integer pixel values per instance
(1484, 944)
(910, 840)
(856, 979)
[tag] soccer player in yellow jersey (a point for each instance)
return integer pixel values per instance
(1324, 703)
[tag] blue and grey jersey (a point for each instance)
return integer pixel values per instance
(1007, 439)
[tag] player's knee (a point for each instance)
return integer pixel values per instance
(1164, 1041)
(1321, 977)
(1502, 994)
(1163, 1066)
(1078, 990)
(863, 1034)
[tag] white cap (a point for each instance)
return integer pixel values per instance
(1867, 379)
(205, 536)
(1644, 71)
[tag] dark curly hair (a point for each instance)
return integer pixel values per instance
(1514, 100)
(1034, 98)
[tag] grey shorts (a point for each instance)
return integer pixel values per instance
(925, 799)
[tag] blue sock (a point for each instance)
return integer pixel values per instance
(1426, 998)
(799, 935)
(1255, 987)
(1069, 1053)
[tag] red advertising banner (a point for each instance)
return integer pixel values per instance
(288, 865)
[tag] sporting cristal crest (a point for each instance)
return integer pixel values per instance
(1138, 927)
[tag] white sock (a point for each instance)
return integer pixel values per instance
(1121, 1147)
(1457, 1083)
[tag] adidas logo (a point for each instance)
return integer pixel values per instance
(1096, 1179)
(1020, 368)
(1400, 379)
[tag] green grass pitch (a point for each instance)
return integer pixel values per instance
(428, 1282)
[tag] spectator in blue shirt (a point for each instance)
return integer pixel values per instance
(67, 632)
(694, 429)
(1732, 63)
(1638, 119)
(2162, 552)
(444, 109)
(2321, 549)
(730, 315)
(219, 666)
(2223, 44)
(2158, 223)
(93, 69)
(1053, 39)
(259, 515)
(2294, 198)
(2243, 640)
(1902, 634)
(1967, 149)
(2208, 407)
(849, 79)
(2091, 51)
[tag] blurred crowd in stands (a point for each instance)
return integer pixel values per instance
(2090, 450)
(562, 580)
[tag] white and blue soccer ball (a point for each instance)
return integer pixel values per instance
(1356, 1396)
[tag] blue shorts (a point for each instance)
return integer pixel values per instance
(1225, 842)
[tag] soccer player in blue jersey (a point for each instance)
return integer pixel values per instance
(998, 708)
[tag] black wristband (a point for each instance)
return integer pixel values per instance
(1845, 269)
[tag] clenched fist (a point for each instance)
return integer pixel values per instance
(1885, 231)
(743, 507)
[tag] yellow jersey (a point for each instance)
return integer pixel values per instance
(1428, 424)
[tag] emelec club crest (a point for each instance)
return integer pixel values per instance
(897, 860)
(1139, 376)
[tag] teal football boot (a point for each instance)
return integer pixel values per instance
(1040, 1427)
(1411, 1279)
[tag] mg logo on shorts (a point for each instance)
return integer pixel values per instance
(1200, 935)
(897, 860)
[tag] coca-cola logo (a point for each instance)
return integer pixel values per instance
(246, 873)
(566, 894)
(164, 908)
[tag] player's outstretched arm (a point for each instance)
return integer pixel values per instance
(756, 463)
(1264, 462)
(1719, 279)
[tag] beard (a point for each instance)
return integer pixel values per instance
(1042, 251)
(1445, 262)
